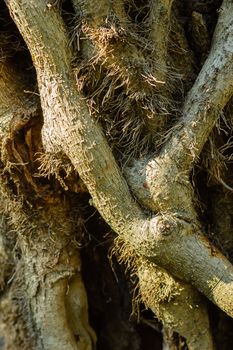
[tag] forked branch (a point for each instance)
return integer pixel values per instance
(168, 239)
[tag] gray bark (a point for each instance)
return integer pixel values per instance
(171, 238)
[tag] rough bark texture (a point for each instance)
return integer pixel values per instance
(149, 196)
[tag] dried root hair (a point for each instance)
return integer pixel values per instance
(151, 285)
(120, 86)
(53, 165)
(59, 167)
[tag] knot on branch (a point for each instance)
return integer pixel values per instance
(161, 186)
(161, 231)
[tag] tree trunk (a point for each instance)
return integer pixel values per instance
(116, 144)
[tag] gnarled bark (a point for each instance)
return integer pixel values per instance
(68, 126)
(172, 237)
(56, 310)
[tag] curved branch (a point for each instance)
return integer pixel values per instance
(211, 91)
(166, 239)
(209, 95)
(68, 125)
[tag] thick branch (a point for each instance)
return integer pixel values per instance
(67, 123)
(162, 182)
(118, 185)
(165, 239)
(212, 90)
